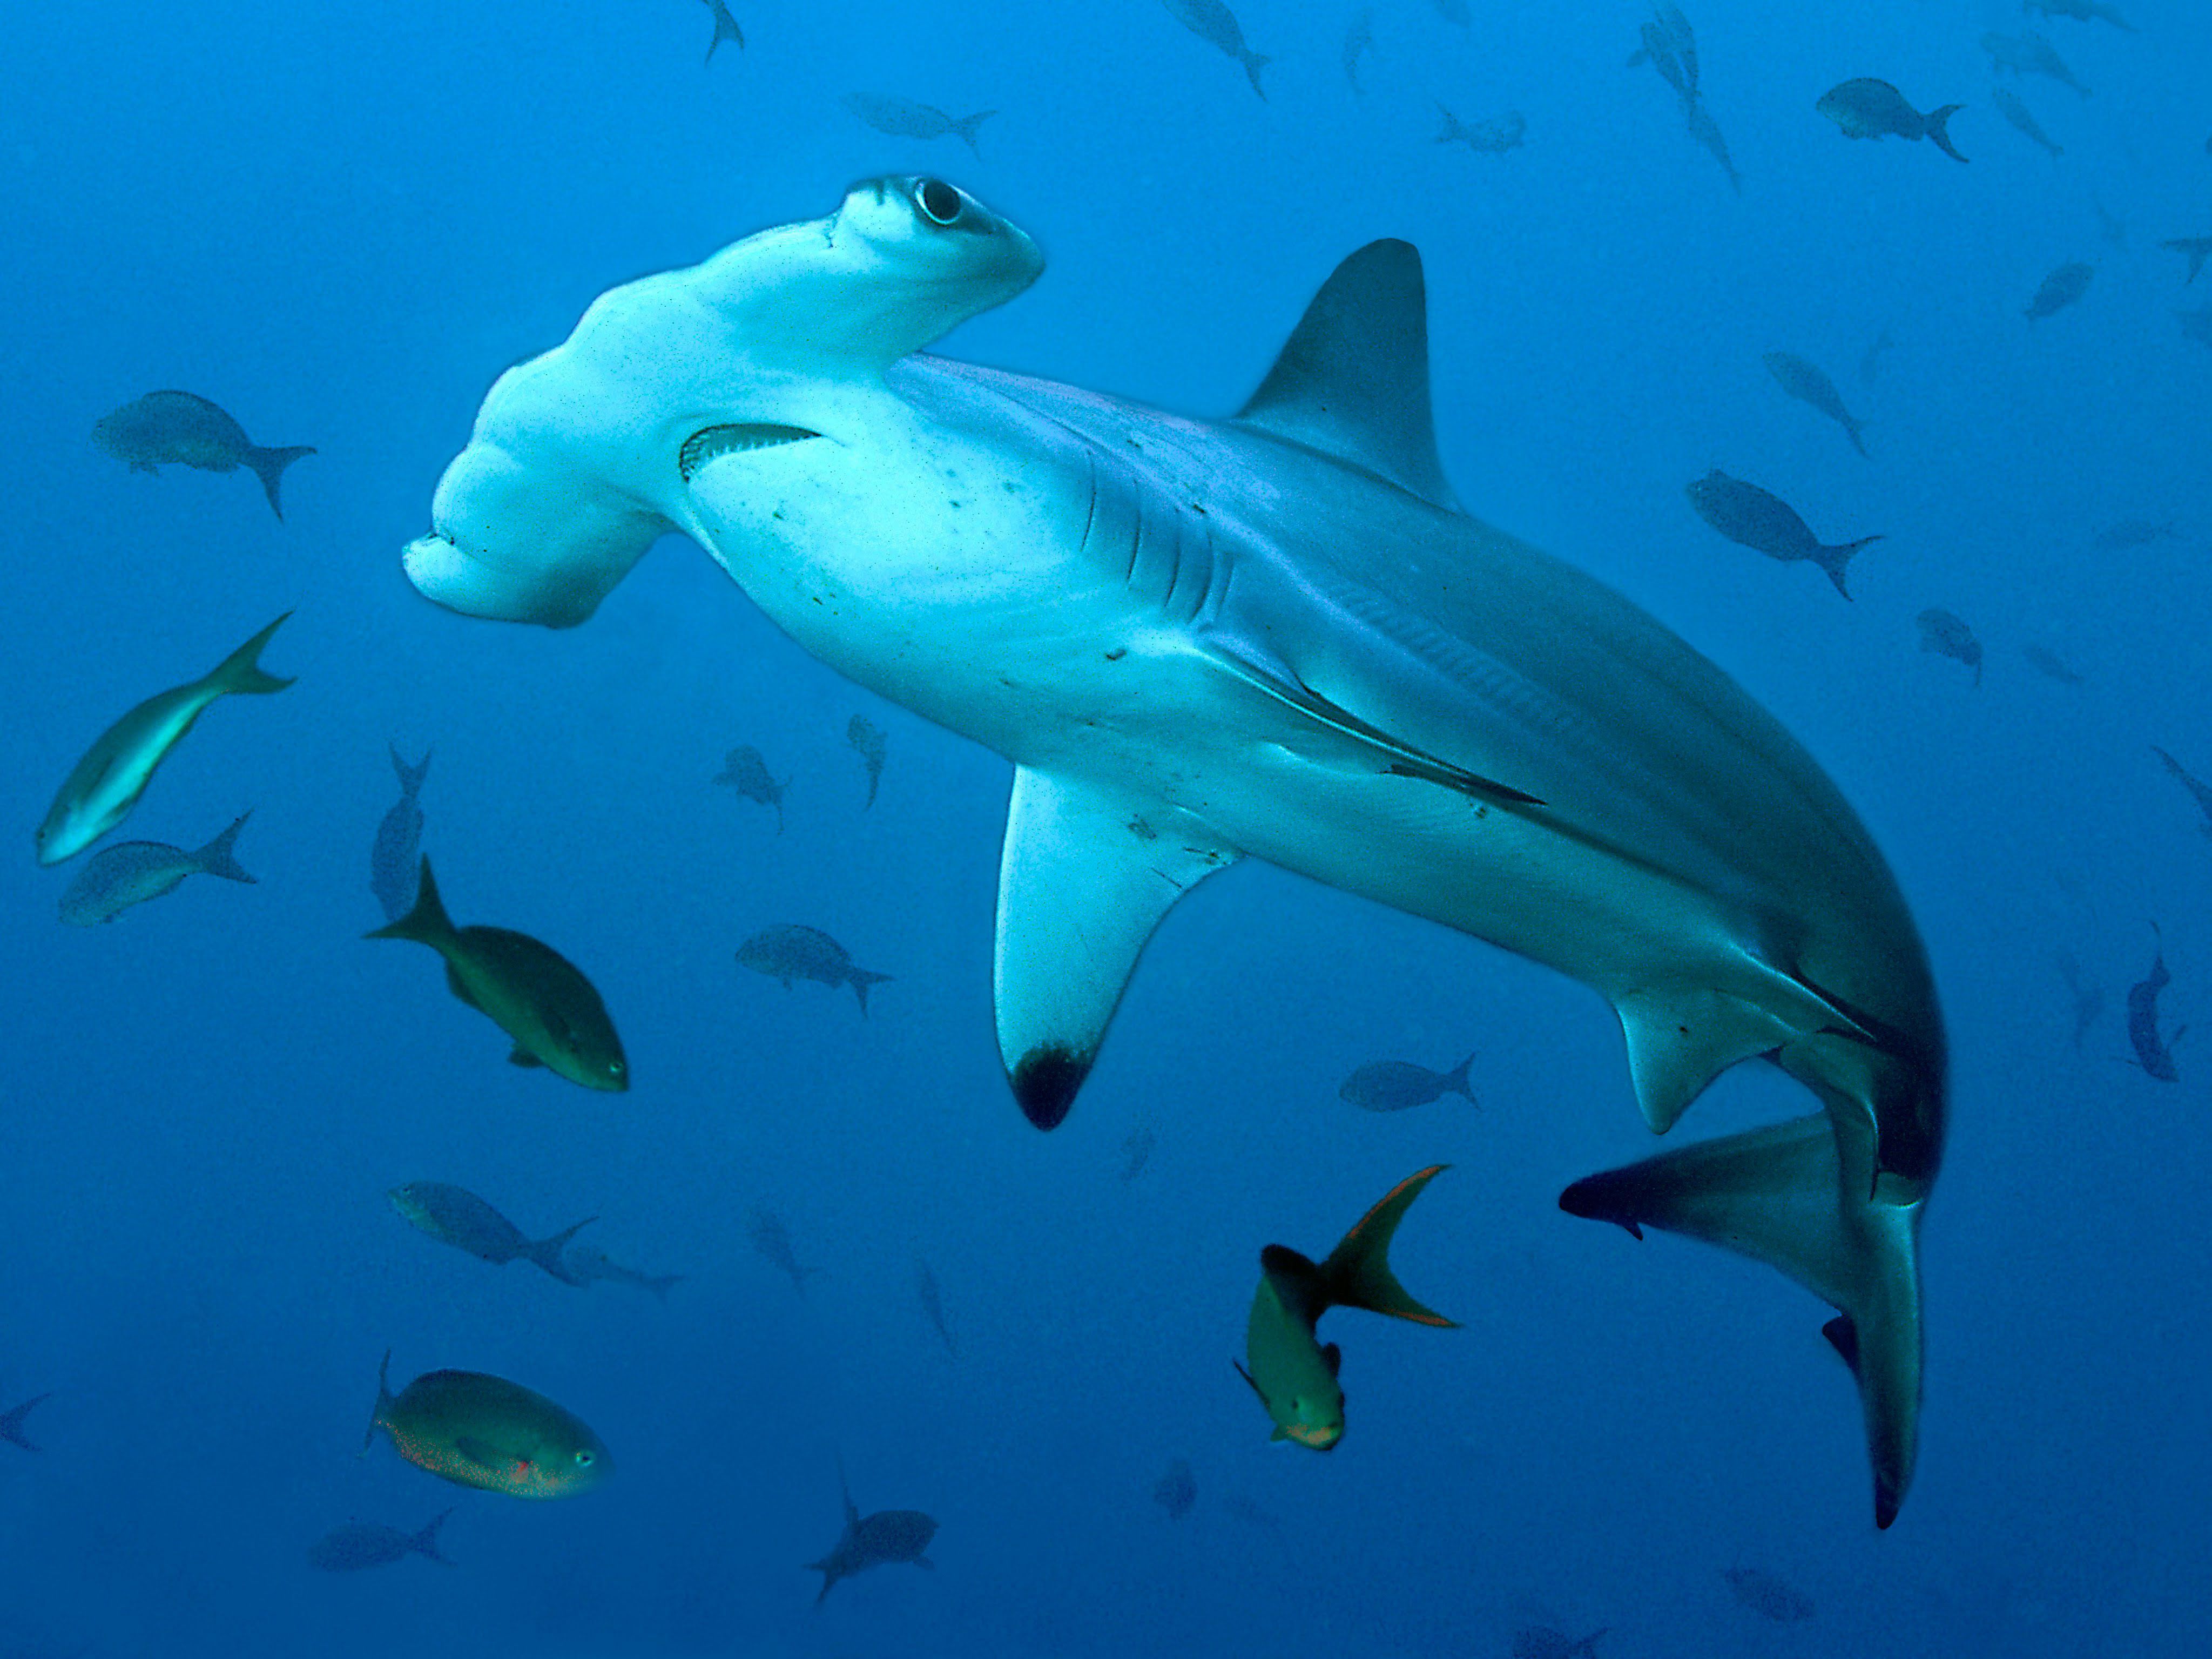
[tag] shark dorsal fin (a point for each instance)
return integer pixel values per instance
(1352, 380)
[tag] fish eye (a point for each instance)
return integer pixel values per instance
(938, 201)
(584, 1459)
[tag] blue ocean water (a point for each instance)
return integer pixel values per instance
(342, 224)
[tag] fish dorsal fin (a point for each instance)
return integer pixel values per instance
(1352, 380)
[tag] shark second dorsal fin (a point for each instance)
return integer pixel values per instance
(1084, 878)
(1352, 380)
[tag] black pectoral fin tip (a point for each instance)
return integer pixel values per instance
(1045, 1081)
(1587, 1198)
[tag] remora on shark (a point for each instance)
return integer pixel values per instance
(1275, 636)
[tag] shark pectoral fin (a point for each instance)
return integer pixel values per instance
(1352, 380)
(1779, 1194)
(1084, 878)
(1680, 1038)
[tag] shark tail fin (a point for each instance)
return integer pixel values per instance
(383, 1400)
(215, 859)
(1357, 1272)
(410, 777)
(1833, 559)
(425, 1542)
(1938, 120)
(1778, 1195)
(966, 126)
(11, 1423)
(241, 670)
(268, 466)
(546, 1252)
(428, 922)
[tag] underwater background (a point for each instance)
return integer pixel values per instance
(341, 224)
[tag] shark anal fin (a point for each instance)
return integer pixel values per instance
(1352, 380)
(1084, 878)
(1783, 1195)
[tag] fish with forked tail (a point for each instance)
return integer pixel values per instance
(2010, 106)
(186, 427)
(132, 872)
(1867, 108)
(1286, 1364)
(1395, 1085)
(2083, 11)
(399, 840)
(1752, 518)
(903, 118)
(1214, 23)
(455, 1216)
(1811, 386)
(792, 951)
(2153, 1052)
(872, 1540)
(361, 1544)
(866, 740)
(2029, 54)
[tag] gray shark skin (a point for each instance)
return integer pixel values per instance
(1276, 635)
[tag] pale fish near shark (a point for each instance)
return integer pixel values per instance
(1277, 635)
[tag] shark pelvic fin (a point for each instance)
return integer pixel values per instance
(1352, 380)
(1681, 1038)
(1084, 878)
(1780, 1196)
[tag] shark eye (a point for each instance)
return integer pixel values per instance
(939, 202)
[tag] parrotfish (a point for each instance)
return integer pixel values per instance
(487, 1432)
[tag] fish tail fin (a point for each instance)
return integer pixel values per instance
(425, 1542)
(1456, 1080)
(546, 1252)
(726, 28)
(215, 859)
(1937, 121)
(830, 1576)
(383, 1400)
(428, 922)
(966, 126)
(1357, 1273)
(241, 670)
(1835, 560)
(1448, 127)
(11, 1423)
(1254, 62)
(861, 981)
(269, 466)
(1780, 1194)
(410, 777)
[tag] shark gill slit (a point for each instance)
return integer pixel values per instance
(734, 438)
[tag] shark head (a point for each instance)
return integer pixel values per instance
(579, 459)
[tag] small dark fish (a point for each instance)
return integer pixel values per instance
(1176, 1491)
(2065, 287)
(1670, 46)
(902, 118)
(2153, 1053)
(2047, 661)
(924, 1287)
(2196, 785)
(2010, 106)
(1870, 360)
(2085, 10)
(526, 988)
(1767, 1595)
(1948, 635)
(1359, 41)
(726, 28)
(2131, 533)
(2029, 54)
(866, 740)
(1137, 1152)
(182, 427)
(2195, 249)
(1867, 108)
(1751, 518)
(399, 840)
(132, 872)
(1542, 1641)
(360, 1544)
(771, 1241)
(1214, 23)
(1707, 131)
(792, 951)
(489, 1434)
(1809, 386)
(1393, 1085)
(1492, 138)
(2196, 324)
(2088, 998)
(744, 771)
(11, 1422)
(589, 1266)
(873, 1540)
(455, 1216)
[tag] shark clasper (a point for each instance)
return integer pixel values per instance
(1276, 635)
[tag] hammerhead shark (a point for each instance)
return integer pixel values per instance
(1277, 635)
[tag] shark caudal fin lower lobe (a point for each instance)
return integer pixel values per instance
(1779, 1196)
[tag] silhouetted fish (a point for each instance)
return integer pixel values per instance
(1393, 1085)
(873, 1540)
(2010, 106)
(1137, 1152)
(2047, 661)
(1809, 386)
(2196, 785)
(792, 951)
(132, 872)
(2153, 1053)
(2029, 54)
(2131, 533)
(744, 771)
(2088, 998)
(1215, 24)
(1176, 1491)
(455, 1216)
(925, 1288)
(2085, 10)
(183, 427)
(1751, 518)
(1706, 131)
(360, 1544)
(2063, 287)
(866, 740)
(1867, 108)
(1492, 138)
(592, 1266)
(1767, 1595)
(1948, 635)
(2195, 249)
(399, 840)
(726, 28)
(902, 118)
(771, 1241)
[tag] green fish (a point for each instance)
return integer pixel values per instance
(489, 1434)
(115, 771)
(529, 990)
(1289, 1369)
